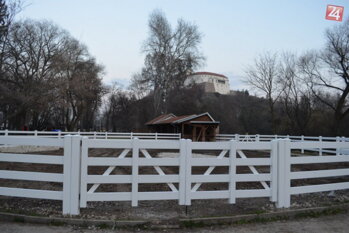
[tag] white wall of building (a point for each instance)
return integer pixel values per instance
(221, 84)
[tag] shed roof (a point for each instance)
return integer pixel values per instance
(172, 119)
(160, 118)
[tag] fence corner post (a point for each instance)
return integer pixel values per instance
(232, 172)
(135, 171)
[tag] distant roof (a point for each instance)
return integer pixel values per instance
(160, 118)
(209, 73)
(172, 119)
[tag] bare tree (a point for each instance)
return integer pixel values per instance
(29, 80)
(80, 86)
(171, 54)
(296, 97)
(8, 10)
(138, 87)
(51, 80)
(328, 71)
(263, 76)
(118, 109)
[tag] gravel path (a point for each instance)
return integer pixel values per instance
(334, 223)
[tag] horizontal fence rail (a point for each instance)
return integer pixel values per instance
(93, 135)
(266, 138)
(179, 170)
(260, 137)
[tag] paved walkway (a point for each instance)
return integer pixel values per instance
(335, 223)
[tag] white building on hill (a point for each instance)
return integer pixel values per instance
(211, 82)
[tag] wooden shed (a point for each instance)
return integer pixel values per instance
(197, 127)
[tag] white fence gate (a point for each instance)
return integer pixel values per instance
(184, 186)
(185, 169)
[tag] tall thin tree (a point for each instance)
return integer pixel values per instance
(171, 54)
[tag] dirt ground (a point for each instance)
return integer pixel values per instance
(334, 224)
(163, 210)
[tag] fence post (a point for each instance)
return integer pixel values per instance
(94, 135)
(237, 137)
(232, 172)
(35, 133)
(106, 134)
(6, 134)
(320, 149)
(287, 173)
(83, 173)
(135, 170)
(274, 170)
(75, 175)
(337, 140)
(257, 137)
(284, 170)
(302, 139)
(156, 136)
(71, 174)
(188, 172)
(281, 174)
(182, 170)
(67, 173)
(59, 134)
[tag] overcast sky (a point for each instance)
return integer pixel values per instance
(234, 31)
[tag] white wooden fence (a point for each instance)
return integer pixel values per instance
(302, 138)
(93, 135)
(140, 157)
(70, 176)
(278, 156)
(260, 137)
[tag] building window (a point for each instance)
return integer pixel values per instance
(221, 81)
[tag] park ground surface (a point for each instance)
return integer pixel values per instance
(332, 223)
